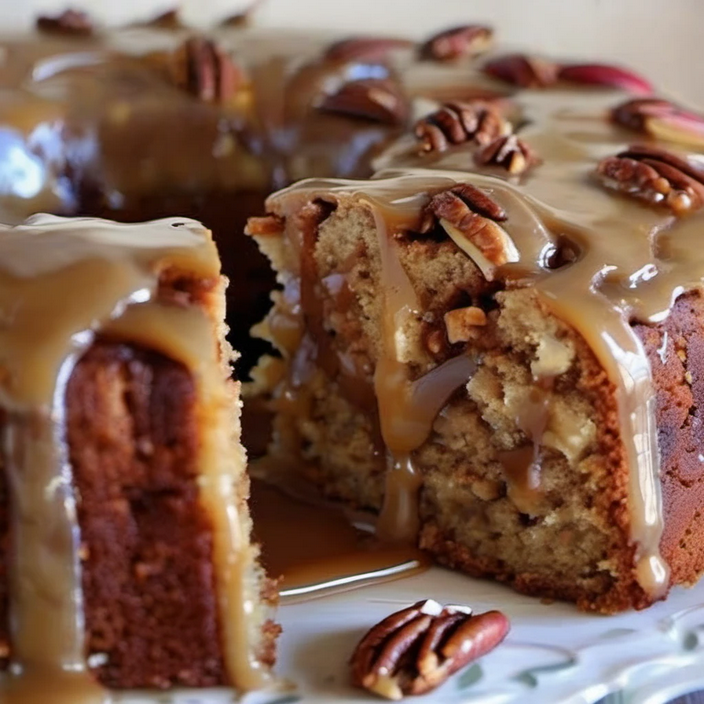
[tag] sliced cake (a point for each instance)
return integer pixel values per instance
(496, 345)
(126, 558)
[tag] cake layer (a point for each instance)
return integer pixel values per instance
(121, 431)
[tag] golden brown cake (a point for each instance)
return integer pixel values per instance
(126, 553)
(495, 343)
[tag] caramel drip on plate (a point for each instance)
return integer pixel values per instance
(61, 282)
(314, 547)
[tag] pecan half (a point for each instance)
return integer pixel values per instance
(509, 153)
(415, 650)
(470, 218)
(605, 75)
(662, 119)
(458, 122)
(204, 70)
(458, 42)
(375, 99)
(69, 22)
(524, 71)
(365, 48)
(655, 176)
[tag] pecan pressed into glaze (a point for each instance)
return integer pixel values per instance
(375, 99)
(458, 42)
(204, 70)
(365, 48)
(655, 176)
(605, 75)
(524, 71)
(69, 22)
(509, 153)
(471, 219)
(415, 650)
(662, 119)
(458, 122)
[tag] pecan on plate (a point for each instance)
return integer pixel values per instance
(471, 219)
(605, 75)
(69, 22)
(365, 48)
(458, 122)
(509, 153)
(662, 119)
(415, 650)
(458, 42)
(524, 71)
(204, 70)
(655, 176)
(374, 99)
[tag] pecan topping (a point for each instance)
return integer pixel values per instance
(605, 75)
(365, 48)
(171, 19)
(375, 99)
(459, 122)
(510, 153)
(655, 176)
(69, 22)
(662, 119)
(524, 71)
(471, 218)
(415, 650)
(458, 42)
(204, 70)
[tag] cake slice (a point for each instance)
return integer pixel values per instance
(503, 362)
(126, 556)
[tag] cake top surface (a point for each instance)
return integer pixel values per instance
(61, 280)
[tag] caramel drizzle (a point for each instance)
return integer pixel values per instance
(407, 409)
(60, 281)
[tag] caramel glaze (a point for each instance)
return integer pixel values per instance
(62, 282)
(632, 263)
(93, 126)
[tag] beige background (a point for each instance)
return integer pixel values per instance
(663, 38)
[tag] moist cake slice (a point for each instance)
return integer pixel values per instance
(126, 554)
(505, 364)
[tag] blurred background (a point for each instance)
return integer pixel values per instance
(665, 40)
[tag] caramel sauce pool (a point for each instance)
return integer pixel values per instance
(316, 549)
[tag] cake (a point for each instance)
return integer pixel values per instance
(436, 361)
(495, 343)
(126, 552)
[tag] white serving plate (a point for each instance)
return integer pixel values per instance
(553, 655)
